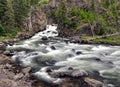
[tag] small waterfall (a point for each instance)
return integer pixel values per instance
(51, 31)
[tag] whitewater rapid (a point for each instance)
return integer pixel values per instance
(41, 54)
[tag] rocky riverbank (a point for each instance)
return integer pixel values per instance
(78, 37)
(13, 75)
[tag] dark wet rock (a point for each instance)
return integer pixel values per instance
(92, 59)
(44, 38)
(81, 83)
(71, 73)
(97, 59)
(49, 70)
(47, 32)
(11, 44)
(70, 68)
(53, 47)
(66, 41)
(93, 82)
(78, 52)
(70, 55)
(54, 32)
(85, 42)
(96, 73)
(18, 61)
(50, 62)
(7, 53)
(33, 54)
(75, 78)
(110, 62)
(73, 50)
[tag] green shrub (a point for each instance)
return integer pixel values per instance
(2, 30)
(43, 2)
(13, 32)
(101, 31)
(87, 16)
(74, 11)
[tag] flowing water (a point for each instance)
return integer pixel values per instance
(40, 54)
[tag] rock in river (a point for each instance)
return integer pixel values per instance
(44, 38)
(71, 73)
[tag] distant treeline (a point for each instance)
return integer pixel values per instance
(13, 14)
(74, 14)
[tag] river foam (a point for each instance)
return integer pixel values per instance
(40, 54)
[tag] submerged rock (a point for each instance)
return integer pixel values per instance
(78, 52)
(53, 48)
(44, 38)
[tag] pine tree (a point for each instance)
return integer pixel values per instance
(7, 14)
(21, 8)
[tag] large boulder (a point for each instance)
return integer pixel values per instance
(93, 82)
(71, 73)
(4, 59)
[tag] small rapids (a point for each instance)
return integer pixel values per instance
(59, 53)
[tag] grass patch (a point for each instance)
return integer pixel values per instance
(111, 40)
(4, 38)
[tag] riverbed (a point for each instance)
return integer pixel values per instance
(45, 49)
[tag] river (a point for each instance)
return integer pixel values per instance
(45, 49)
